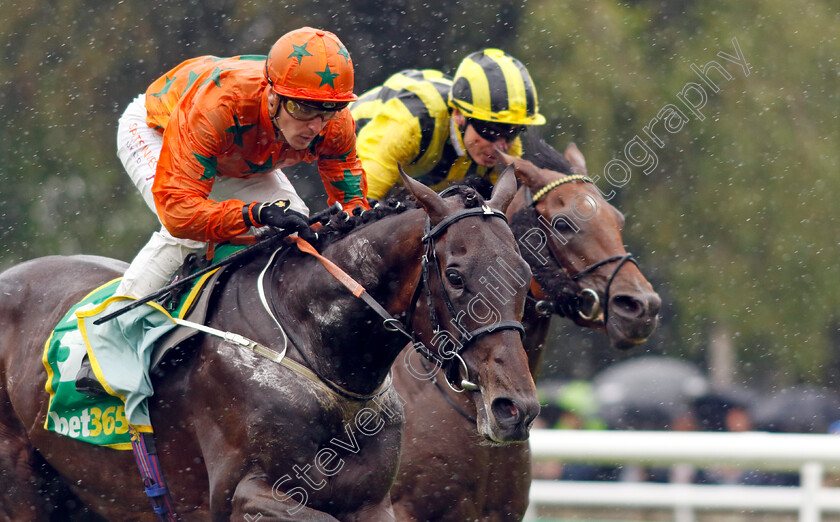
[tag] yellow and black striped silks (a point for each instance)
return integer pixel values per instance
(407, 120)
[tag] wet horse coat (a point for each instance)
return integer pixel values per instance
(239, 436)
(449, 472)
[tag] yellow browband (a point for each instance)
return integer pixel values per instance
(543, 191)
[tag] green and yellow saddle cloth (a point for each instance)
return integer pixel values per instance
(120, 352)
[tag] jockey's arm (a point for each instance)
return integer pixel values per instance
(185, 175)
(340, 168)
(383, 144)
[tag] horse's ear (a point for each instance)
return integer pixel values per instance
(427, 198)
(504, 190)
(526, 172)
(575, 157)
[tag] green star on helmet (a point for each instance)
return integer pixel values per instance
(343, 52)
(299, 52)
(327, 77)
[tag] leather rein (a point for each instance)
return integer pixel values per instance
(430, 263)
(546, 307)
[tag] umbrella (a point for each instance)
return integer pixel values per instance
(798, 409)
(648, 392)
(713, 411)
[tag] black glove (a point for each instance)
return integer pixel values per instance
(278, 214)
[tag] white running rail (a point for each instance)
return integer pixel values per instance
(811, 455)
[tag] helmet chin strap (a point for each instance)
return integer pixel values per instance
(277, 106)
(456, 136)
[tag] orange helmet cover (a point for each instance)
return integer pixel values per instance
(311, 64)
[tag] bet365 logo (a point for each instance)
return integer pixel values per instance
(92, 422)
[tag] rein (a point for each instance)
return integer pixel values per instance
(280, 357)
(390, 323)
(357, 290)
(544, 307)
(431, 263)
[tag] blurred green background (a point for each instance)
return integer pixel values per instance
(737, 226)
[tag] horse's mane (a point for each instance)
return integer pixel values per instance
(536, 150)
(553, 279)
(472, 190)
(333, 228)
(397, 201)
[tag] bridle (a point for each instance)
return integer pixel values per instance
(545, 307)
(429, 264)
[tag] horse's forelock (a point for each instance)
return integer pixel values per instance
(468, 195)
(544, 156)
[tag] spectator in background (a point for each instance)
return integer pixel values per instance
(726, 411)
(573, 406)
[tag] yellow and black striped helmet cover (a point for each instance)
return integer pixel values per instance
(491, 85)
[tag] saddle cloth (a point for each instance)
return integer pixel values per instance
(121, 352)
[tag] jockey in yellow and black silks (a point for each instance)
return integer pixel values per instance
(442, 129)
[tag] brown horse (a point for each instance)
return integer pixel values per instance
(582, 272)
(241, 437)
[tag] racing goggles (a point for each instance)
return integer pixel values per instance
(492, 131)
(309, 111)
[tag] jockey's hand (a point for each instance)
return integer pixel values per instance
(278, 214)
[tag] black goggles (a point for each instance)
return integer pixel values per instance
(492, 131)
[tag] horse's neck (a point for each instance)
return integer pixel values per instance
(341, 335)
(551, 278)
(536, 335)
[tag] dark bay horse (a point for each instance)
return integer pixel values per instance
(582, 272)
(241, 437)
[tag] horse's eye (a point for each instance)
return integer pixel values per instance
(563, 224)
(454, 278)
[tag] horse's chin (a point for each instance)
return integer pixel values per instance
(625, 335)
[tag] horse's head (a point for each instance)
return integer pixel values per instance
(470, 300)
(587, 275)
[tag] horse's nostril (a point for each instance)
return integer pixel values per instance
(627, 306)
(505, 411)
